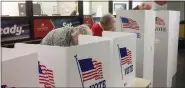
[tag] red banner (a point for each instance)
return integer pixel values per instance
(42, 27)
(89, 21)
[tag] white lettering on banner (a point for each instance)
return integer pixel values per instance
(128, 70)
(101, 84)
(17, 30)
(43, 28)
(67, 24)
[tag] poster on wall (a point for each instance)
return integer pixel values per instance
(14, 29)
(96, 19)
(43, 26)
(120, 7)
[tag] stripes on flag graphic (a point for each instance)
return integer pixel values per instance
(125, 55)
(129, 23)
(46, 77)
(159, 21)
(125, 60)
(90, 69)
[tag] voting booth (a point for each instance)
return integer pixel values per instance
(123, 57)
(142, 23)
(166, 47)
(19, 68)
(84, 65)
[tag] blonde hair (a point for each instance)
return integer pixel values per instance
(106, 20)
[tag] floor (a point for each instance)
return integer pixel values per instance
(180, 76)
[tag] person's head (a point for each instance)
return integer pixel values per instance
(107, 22)
(65, 36)
(145, 6)
(81, 29)
(73, 13)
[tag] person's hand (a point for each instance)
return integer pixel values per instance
(145, 6)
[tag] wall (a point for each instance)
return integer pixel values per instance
(177, 5)
(62, 8)
(95, 5)
(86, 7)
(49, 8)
(10, 8)
(115, 2)
(65, 8)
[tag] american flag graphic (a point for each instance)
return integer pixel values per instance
(46, 78)
(90, 69)
(129, 23)
(159, 21)
(126, 56)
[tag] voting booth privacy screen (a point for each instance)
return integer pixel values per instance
(90, 64)
(19, 68)
(123, 57)
(157, 43)
(77, 66)
(166, 47)
(143, 25)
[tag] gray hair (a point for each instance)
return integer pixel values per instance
(58, 37)
(84, 29)
(63, 36)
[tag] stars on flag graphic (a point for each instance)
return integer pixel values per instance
(46, 77)
(125, 55)
(125, 59)
(89, 69)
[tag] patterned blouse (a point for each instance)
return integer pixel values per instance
(59, 37)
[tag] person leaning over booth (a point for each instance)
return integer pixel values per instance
(107, 23)
(65, 36)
